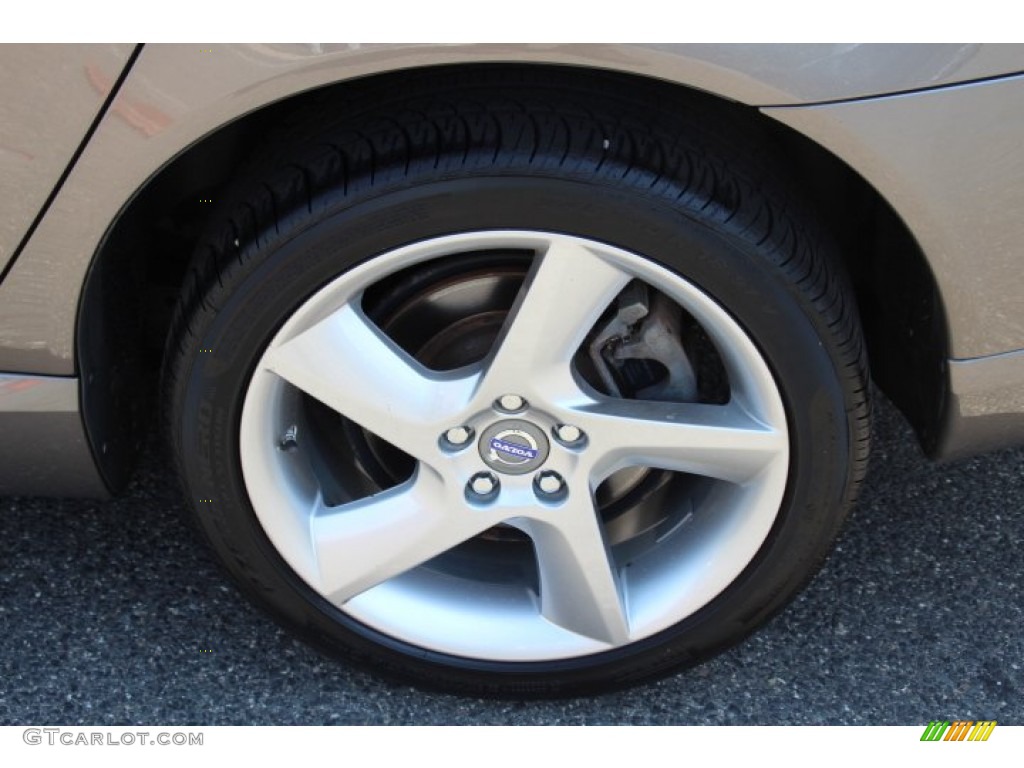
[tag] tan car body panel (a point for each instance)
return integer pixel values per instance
(986, 404)
(948, 159)
(184, 91)
(45, 451)
(951, 162)
(49, 96)
(176, 94)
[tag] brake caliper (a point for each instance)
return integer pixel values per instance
(644, 330)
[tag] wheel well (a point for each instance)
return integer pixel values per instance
(136, 275)
(898, 299)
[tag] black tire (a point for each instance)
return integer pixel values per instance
(686, 183)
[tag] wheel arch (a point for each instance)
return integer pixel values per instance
(126, 304)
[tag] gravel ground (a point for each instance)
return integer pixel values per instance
(111, 613)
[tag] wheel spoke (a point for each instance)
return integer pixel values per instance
(364, 543)
(564, 294)
(719, 441)
(579, 586)
(347, 363)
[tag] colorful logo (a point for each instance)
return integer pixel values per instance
(961, 730)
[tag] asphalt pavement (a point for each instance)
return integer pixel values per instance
(113, 613)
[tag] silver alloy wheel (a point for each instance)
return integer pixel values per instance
(371, 556)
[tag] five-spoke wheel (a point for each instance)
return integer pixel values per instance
(379, 555)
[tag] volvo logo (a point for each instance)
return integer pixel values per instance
(513, 446)
(516, 445)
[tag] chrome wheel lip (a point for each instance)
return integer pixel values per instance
(430, 610)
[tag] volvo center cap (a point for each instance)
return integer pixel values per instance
(513, 446)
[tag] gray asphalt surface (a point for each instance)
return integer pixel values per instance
(107, 611)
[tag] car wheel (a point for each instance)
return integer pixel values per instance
(501, 398)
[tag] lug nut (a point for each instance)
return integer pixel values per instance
(483, 486)
(456, 437)
(511, 403)
(569, 435)
(549, 485)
